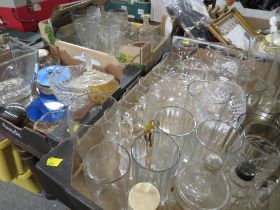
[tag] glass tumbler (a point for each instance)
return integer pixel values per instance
(108, 43)
(236, 105)
(207, 99)
(185, 48)
(107, 167)
(93, 118)
(154, 160)
(202, 184)
(257, 160)
(170, 63)
(179, 124)
(226, 63)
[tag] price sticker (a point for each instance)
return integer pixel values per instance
(54, 162)
(124, 7)
(140, 12)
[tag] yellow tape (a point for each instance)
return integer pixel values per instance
(54, 162)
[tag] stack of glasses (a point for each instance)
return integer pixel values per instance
(184, 129)
(110, 31)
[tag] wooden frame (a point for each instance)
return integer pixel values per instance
(227, 23)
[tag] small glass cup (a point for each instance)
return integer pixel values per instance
(93, 118)
(154, 160)
(107, 167)
(170, 63)
(185, 48)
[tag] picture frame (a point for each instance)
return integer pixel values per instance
(232, 29)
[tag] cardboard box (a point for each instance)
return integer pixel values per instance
(143, 55)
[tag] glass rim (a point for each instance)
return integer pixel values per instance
(96, 123)
(182, 109)
(258, 79)
(151, 170)
(117, 146)
(147, 77)
(165, 56)
(235, 86)
(186, 201)
(132, 91)
(203, 65)
(207, 81)
(241, 137)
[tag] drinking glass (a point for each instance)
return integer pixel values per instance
(179, 124)
(236, 105)
(207, 99)
(146, 82)
(170, 63)
(107, 167)
(108, 43)
(195, 64)
(226, 63)
(93, 118)
(79, 19)
(257, 160)
(202, 184)
(132, 110)
(185, 48)
(154, 160)
(120, 17)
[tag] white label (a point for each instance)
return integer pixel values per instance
(140, 12)
(124, 8)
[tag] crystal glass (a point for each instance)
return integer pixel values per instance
(107, 167)
(202, 184)
(169, 64)
(145, 83)
(154, 160)
(207, 99)
(165, 92)
(179, 124)
(93, 118)
(17, 71)
(132, 110)
(79, 19)
(120, 17)
(253, 89)
(257, 160)
(195, 64)
(226, 63)
(66, 83)
(108, 43)
(185, 48)
(236, 105)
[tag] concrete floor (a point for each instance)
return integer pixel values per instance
(14, 198)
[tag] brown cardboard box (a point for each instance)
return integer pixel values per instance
(142, 52)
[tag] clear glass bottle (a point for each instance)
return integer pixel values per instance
(147, 32)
